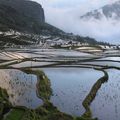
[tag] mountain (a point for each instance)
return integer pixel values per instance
(32, 11)
(20, 14)
(22, 22)
(25, 16)
(108, 12)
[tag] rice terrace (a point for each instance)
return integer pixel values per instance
(59, 60)
(53, 83)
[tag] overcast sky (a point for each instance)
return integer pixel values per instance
(65, 15)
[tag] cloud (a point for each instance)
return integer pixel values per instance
(65, 14)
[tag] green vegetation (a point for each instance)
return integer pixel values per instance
(4, 102)
(47, 111)
(92, 94)
(43, 86)
(31, 22)
(15, 114)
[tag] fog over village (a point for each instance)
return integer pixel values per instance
(59, 60)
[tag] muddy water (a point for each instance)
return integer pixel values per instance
(21, 88)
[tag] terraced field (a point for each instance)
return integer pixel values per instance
(57, 84)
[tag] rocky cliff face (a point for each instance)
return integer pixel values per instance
(21, 15)
(26, 18)
(22, 22)
(27, 8)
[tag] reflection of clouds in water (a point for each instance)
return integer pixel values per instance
(70, 87)
(20, 87)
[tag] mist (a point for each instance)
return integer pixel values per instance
(66, 16)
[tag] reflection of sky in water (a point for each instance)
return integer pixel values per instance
(106, 105)
(31, 63)
(21, 88)
(54, 52)
(111, 58)
(104, 63)
(70, 87)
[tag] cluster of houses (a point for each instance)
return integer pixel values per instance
(54, 42)
(116, 47)
(70, 43)
(47, 41)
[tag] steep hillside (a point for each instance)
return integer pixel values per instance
(108, 12)
(22, 22)
(24, 15)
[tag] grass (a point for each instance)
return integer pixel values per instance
(5, 105)
(43, 85)
(92, 94)
(47, 111)
(15, 114)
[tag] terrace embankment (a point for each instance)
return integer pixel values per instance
(45, 112)
(92, 94)
(48, 111)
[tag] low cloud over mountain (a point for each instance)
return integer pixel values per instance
(98, 19)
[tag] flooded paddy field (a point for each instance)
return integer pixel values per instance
(20, 87)
(31, 63)
(70, 86)
(78, 84)
(102, 63)
(106, 105)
